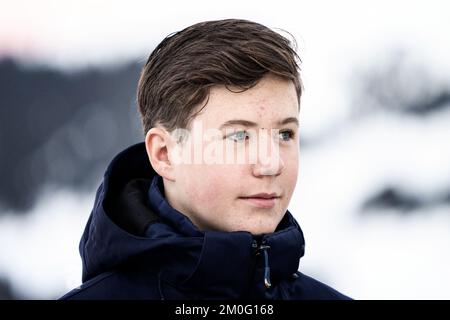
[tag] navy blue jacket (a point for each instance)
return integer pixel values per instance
(136, 246)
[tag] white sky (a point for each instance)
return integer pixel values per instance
(81, 31)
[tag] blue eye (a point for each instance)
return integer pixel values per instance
(239, 136)
(288, 135)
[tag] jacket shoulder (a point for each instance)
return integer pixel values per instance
(117, 284)
(308, 288)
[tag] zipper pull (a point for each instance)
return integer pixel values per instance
(267, 282)
(264, 249)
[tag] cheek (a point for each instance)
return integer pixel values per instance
(291, 170)
(208, 186)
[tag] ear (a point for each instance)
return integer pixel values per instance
(157, 143)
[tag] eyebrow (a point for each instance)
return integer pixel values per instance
(250, 124)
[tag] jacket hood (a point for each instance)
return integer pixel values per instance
(132, 225)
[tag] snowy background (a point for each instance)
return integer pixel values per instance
(373, 196)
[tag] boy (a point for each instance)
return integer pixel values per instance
(199, 211)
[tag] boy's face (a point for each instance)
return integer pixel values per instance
(213, 195)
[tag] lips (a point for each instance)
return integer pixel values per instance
(262, 200)
(263, 195)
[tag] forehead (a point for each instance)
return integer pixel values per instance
(272, 96)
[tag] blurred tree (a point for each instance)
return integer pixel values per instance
(61, 128)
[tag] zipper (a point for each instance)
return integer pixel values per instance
(263, 248)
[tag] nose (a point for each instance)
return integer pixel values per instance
(269, 160)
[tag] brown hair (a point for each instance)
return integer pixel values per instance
(186, 64)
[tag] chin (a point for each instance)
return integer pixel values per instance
(256, 226)
(260, 229)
